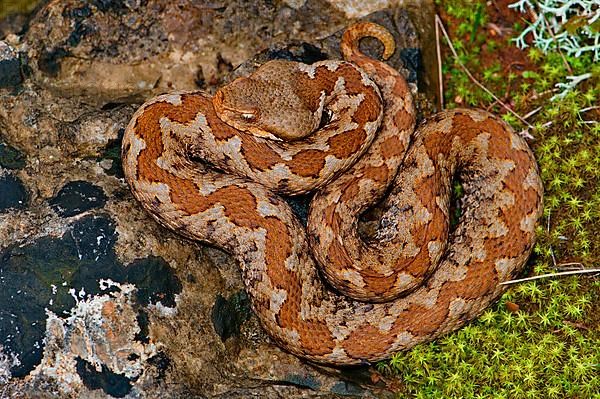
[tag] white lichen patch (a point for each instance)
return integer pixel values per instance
(164, 310)
(100, 330)
(7, 361)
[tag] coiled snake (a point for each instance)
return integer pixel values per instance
(416, 278)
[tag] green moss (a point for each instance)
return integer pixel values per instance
(549, 347)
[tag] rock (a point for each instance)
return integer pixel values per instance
(58, 272)
(143, 274)
(14, 24)
(139, 50)
(107, 302)
(137, 53)
(94, 345)
(11, 158)
(14, 193)
(361, 8)
(229, 314)
(113, 384)
(10, 66)
(77, 197)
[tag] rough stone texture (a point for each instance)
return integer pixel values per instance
(97, 300)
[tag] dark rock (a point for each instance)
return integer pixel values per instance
(22, 314)
(143, 322)
(298, 52)
(39, 275)
(80, 28)
(76, 197)
(49, 61)
(78, 13)
(155, 281)
(79, 31)
(117, 6)
(13, 194)
(229, 314)
(162, 362)
(112, 152)
(344, 388)
(113, 384)
(11, 158)
(304, 381)
(10, 67)
(413, 62)
(94, 238)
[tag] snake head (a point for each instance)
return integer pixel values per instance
(268, 104)
(239, 113)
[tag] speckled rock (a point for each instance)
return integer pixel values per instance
(361, 8)
(97, 299)
(128, 50)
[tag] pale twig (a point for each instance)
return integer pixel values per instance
(438, 22)
(535, 96)
(581, 111)
(570, 266)
(438, 51)
(530, 114)
(551, 250)
(581, 271)
(552, 255)
(557, 46)
(492, 105)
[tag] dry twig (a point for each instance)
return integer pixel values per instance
(438, 22)
(438, 51)
(571, 272)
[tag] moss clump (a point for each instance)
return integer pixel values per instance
(8, 7)
(548, 348)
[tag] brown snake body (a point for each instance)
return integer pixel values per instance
(413, 281)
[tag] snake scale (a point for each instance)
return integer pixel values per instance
(211, 168)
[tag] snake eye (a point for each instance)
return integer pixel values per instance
(248, 117)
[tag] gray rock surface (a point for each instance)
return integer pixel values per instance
(97, 300)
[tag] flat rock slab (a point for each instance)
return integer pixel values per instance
(97, 299)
